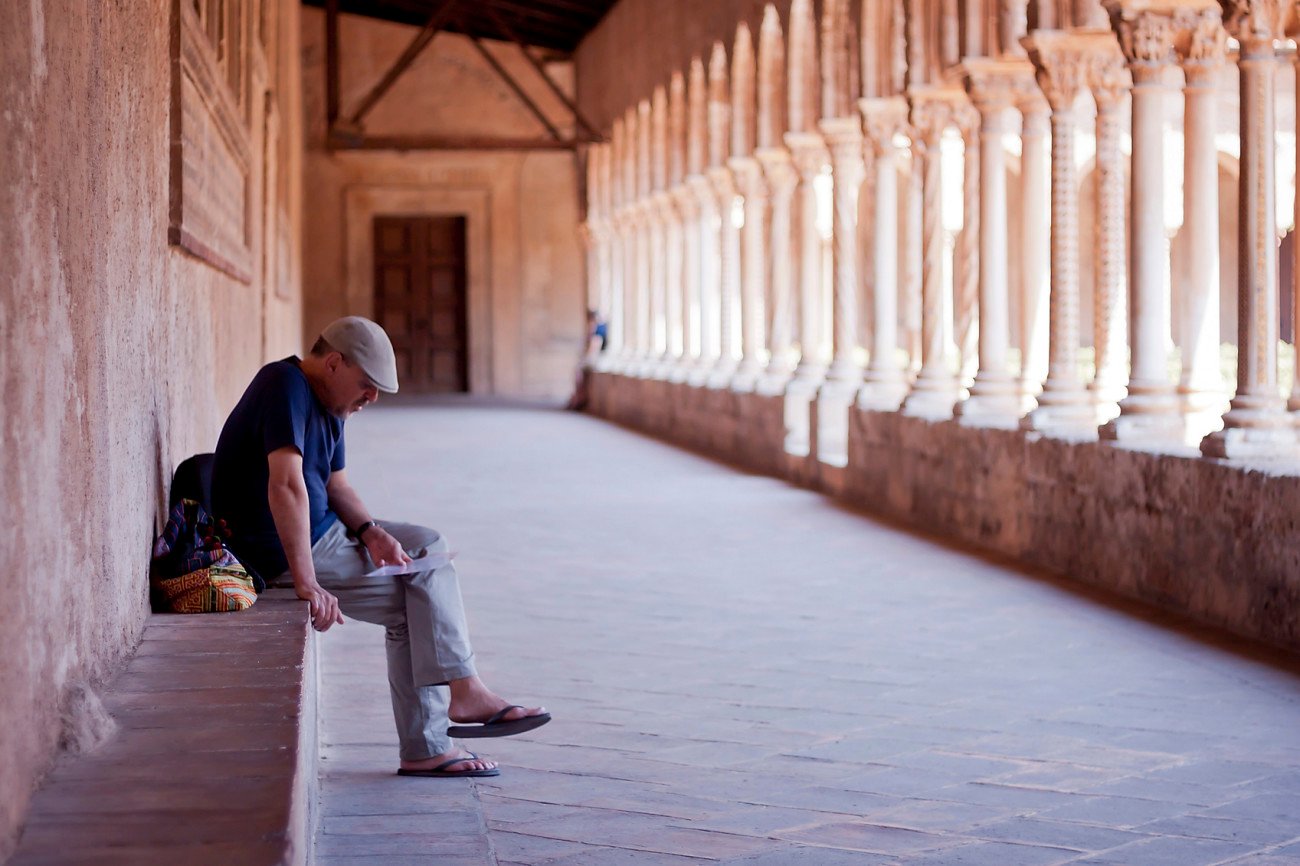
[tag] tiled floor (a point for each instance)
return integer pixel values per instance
(743, 671)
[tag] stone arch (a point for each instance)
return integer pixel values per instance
(802, 68)
(742, 92)
(771, 123)
(719, 106)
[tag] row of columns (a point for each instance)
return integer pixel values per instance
(707, 256)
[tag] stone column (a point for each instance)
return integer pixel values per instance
(844, 139)
(1110, 85)
(1256, 424)
(1035, 228)
(966, 251)
(809, 153)
(1201, 386)
(1150, 411)
(885, 380)
(671, 301)
(994, 396)
(723, 184)
(936, 388)
(656, 349)
(782, 179)
(710, 278)
(642, 217)
(687, 209)
(1064, 407)
(612, 356)
(753, 272)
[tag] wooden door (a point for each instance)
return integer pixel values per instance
(420, 299)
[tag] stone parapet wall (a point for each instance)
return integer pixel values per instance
(1210, 540)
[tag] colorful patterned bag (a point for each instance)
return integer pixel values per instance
(193, 571)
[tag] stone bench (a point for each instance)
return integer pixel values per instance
(214, 759)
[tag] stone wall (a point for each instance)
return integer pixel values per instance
(526, 282)
(1217, 542)
(122, 353)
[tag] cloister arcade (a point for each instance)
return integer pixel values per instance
(1022, 214)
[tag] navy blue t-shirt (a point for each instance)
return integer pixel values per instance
(278, 409)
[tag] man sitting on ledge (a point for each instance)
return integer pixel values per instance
(280, 484)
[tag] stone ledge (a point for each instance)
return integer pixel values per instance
(214, 759)
(1213, 541)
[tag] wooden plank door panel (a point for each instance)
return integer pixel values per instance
(420, 299)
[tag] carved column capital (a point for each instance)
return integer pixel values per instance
(1207, 46)
(778, 168)
(933, 111)
(808, 149)
(1256, 24)
(1156, 35)
(1061, 66)
(996, 84)
(1110, 83)
(882, 119)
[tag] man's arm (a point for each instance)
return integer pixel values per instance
(287, 495)
(347, 504)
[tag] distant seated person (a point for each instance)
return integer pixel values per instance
(597, 339)
(280, 482)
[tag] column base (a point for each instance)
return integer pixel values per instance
(883, 392)
(698, 375)
(807, 378)
(932, 397)
(774, 381)
(991, 404)
(834, 402)
(746, 379)
(1251, 443)
(720, 376)
(798, 419)
(681, 371)
(1160, 429)
(1064, 415)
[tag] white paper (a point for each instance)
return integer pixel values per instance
(426, 561)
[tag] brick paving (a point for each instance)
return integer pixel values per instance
(745, 672)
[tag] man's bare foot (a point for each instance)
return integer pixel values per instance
(468, 763)
(472, 701)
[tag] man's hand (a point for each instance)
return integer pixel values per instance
(324, 606)
(383, 548)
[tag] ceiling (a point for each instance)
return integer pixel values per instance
(557, 25)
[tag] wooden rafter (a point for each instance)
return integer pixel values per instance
(343, 141)
(541, 70)
(514, 85)
(418, 44)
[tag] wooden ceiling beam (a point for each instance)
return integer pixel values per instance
(418, 44)
(514, 85)
(343, 141)
(505, 27)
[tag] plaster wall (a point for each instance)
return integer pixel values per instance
(526, 278)
(121, 355)
(1210, 540)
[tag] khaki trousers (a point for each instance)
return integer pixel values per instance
(427, 637)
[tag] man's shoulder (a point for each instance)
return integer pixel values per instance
(282, 378)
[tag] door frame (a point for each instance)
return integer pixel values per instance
(362, 203)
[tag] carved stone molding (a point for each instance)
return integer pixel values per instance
(1156, 35)
(882, 119)
(933, 111)
(996, 84)
(1256, 24)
